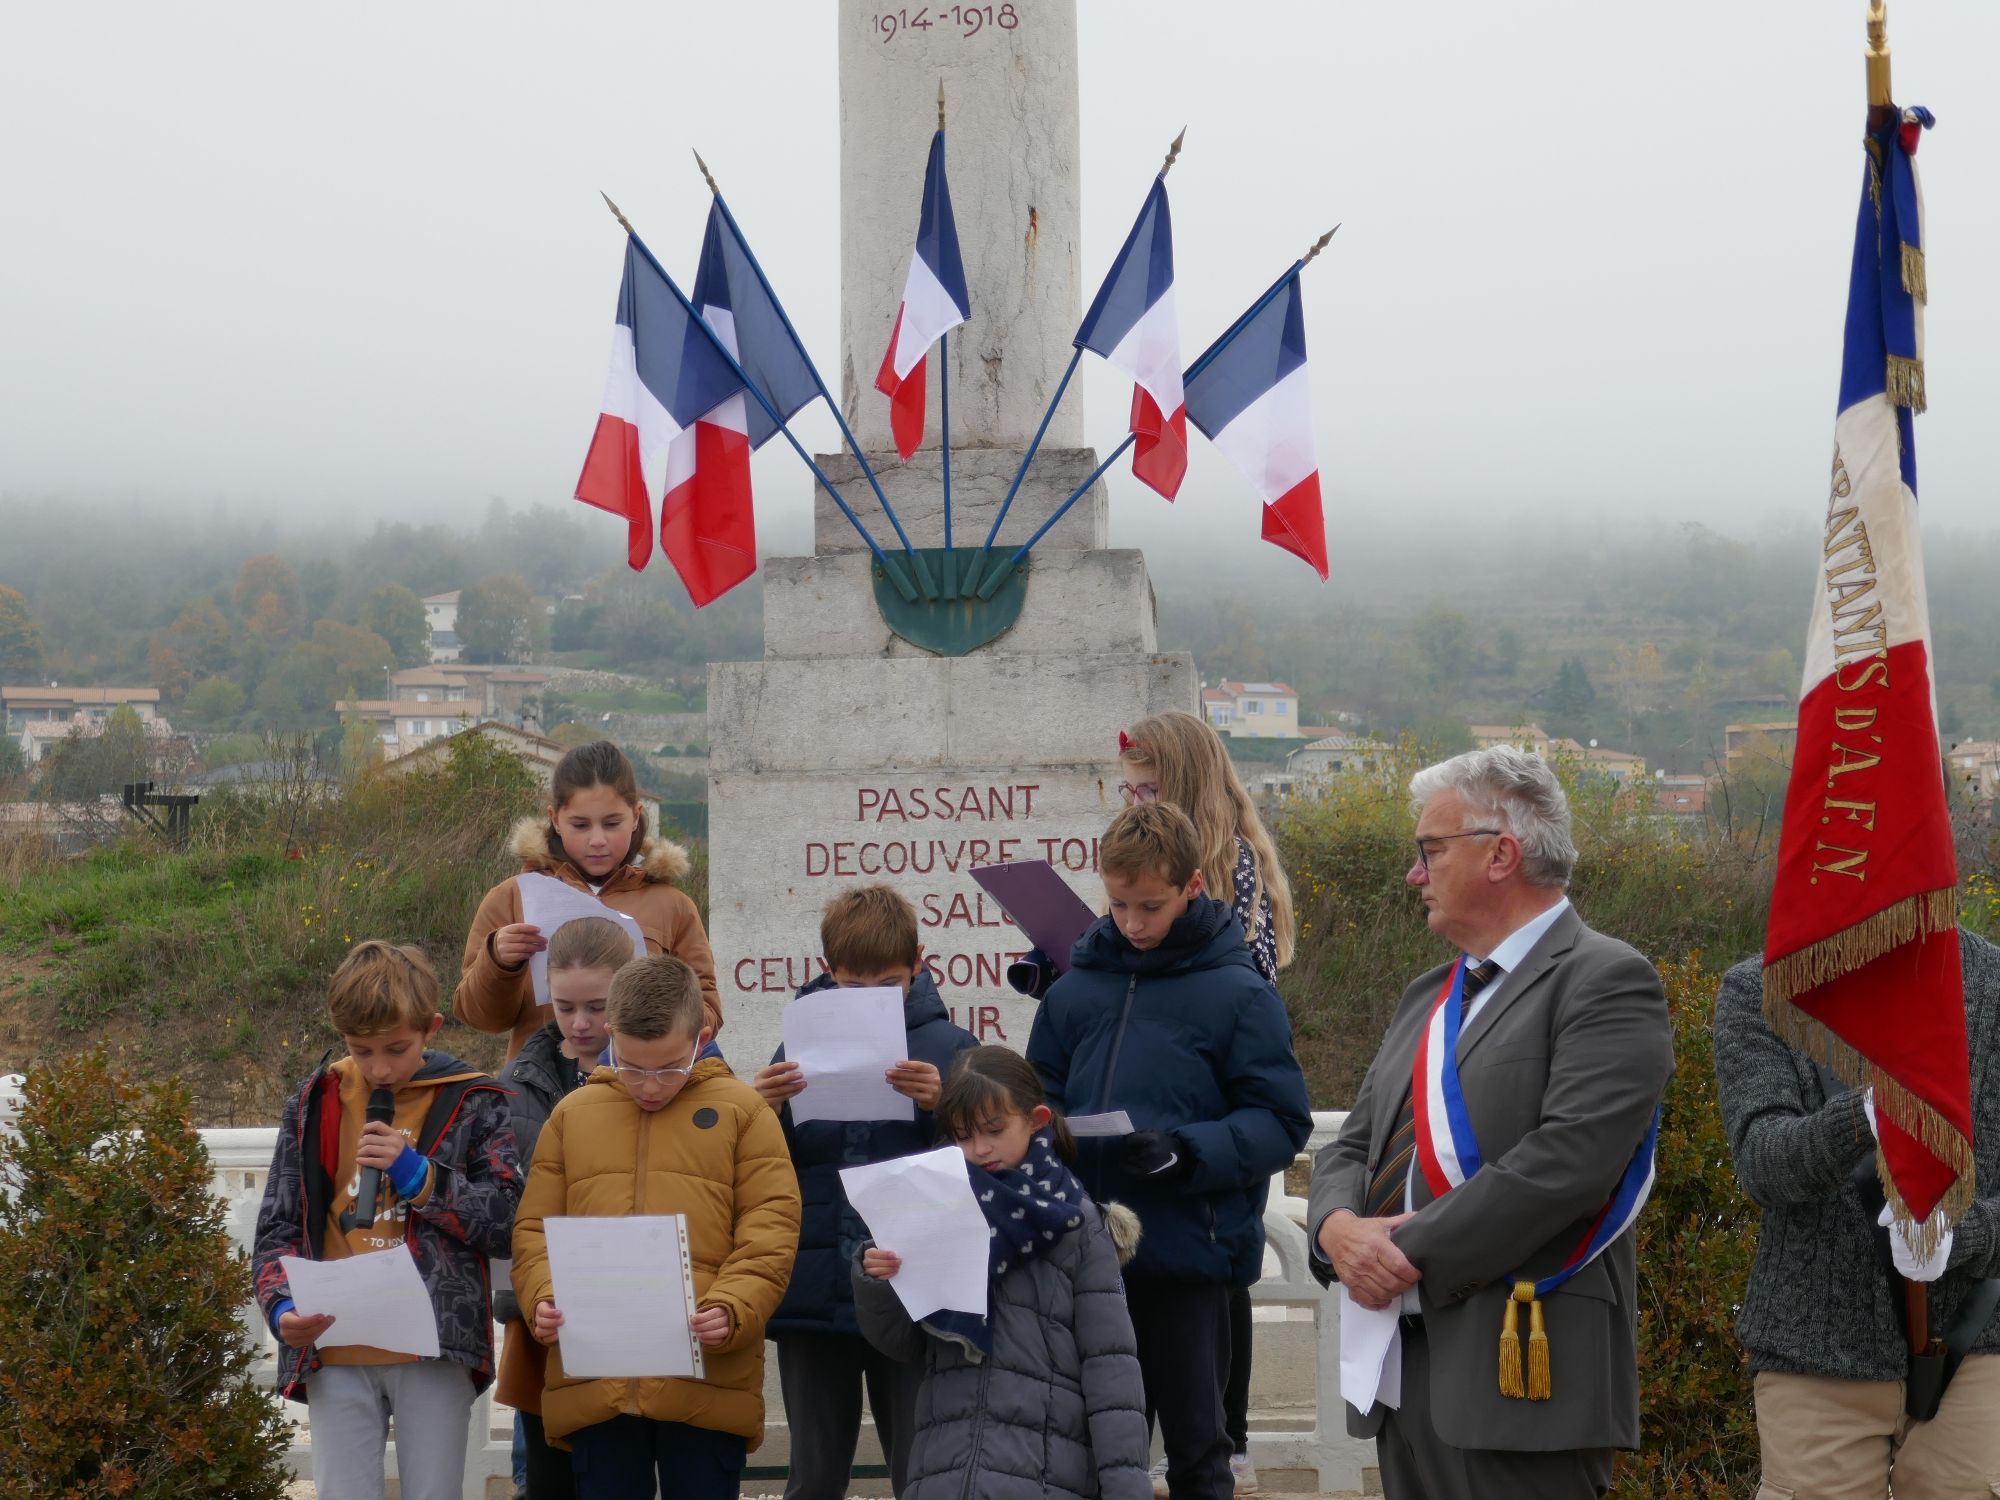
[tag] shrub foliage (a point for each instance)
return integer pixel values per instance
(123, 1369)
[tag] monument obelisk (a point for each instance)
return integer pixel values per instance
(848, 754)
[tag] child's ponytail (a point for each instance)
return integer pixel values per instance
(985, 1081)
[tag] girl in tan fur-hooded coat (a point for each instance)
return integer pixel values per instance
(594, 838)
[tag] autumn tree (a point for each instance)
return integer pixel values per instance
(269, 597)
(201, 639)
(83, 767)
(337, 661)
(169, 674)
(497, 617)
(20, 641)
(1636, 674)
(397, 615)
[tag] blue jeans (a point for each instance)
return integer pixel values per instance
(620, 1460)
(520, 1454)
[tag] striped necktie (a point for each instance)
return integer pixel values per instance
(1385, 1188)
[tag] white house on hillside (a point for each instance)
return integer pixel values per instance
(441, 616)
(1252, 710)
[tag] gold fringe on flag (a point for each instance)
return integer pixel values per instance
(1867, 940)
(1906, 382)
(1510, 1342)
(1914, 917)
(1913, 273)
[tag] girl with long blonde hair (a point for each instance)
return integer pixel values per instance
(1176, 758)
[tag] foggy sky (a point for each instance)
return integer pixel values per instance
(312, 263)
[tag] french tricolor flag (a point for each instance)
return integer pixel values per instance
(708, 528)
(666, 371)
(934, 303)
(1249, 396)
(1132, 324)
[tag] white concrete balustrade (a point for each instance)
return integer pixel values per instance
(1298, 1439)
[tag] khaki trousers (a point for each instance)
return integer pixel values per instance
(1823, 1438)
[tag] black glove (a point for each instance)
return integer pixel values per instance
(1031, 974)
(1156, 1155)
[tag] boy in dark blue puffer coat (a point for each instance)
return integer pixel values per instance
(1164, 1016)
(868, 937)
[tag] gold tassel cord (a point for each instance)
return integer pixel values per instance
(1906, 382)
(1510, 1341)
(1914, 281)
(1867, 940)
(1874, 172)
(1539, 1382)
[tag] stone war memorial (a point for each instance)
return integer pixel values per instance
(852, 752)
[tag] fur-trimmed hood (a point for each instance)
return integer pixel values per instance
(661, 861)
(1123, 1227)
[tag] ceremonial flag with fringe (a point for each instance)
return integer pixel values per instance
(1861, 957)
(1249, 397)
(665, 373)
(1132, 324)
(935, 301)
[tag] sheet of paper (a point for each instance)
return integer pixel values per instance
(625, 1288)
(547, 903)
(845, 1042)
(1371, 1354)
(1085, 1127)
(1041, 904)
(922, 1208)
(376, 1299)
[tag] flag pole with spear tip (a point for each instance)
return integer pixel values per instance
(736, 369)
(944, 419)
(1076, 354)
(1000, 570)
(914, 558)
(1881, 98)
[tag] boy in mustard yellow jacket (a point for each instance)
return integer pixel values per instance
(663, 1130)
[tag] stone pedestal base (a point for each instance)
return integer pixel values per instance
(839, 770)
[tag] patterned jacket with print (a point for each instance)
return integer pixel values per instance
(463, 1217)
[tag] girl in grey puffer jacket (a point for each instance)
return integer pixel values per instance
(1041, 1399)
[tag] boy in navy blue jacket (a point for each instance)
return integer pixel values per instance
(1164, 1016)
(868, 937)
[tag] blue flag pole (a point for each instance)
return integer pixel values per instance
(944, 419)
(895, 574)
(846, 432)
(999, 573)
(1173, 154)
(1000, 570)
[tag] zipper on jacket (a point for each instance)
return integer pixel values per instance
(638, 1208)
(979, 1418)
(1117, 1046)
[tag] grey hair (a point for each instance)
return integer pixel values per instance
(1520, 790)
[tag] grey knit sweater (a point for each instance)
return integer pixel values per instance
(1819, 1302)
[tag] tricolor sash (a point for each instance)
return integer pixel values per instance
(1448, 1154)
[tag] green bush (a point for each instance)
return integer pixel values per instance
(1697, 1238)
(123, 1369)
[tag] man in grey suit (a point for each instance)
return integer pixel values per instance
(1563, 1053)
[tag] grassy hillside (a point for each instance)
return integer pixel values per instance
(212, 963)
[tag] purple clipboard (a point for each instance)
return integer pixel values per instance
(1041, 903)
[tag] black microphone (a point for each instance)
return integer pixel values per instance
(381, 1107)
